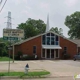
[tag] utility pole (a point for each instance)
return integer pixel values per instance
(9, 26)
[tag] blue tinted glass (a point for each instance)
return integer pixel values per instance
(56, 42)
(48, 40)
(52, 40)
(56, 38)
(43, 39)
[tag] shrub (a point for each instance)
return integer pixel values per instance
(18, 55)
(29, 57)
(65, 55)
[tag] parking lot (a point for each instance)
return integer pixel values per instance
(58, 68)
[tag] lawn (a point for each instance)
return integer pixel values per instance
(5, 59)
(22, 74)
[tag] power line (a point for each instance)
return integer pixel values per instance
(3, 5)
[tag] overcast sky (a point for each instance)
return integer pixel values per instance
(21, 10)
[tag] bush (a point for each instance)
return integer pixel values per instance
(29, 57)
(66, 56)
(18, 55)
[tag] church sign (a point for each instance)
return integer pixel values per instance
(13, 34)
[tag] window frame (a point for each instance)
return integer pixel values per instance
(34, 52)
(65, 49)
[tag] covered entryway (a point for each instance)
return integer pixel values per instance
(50, 52)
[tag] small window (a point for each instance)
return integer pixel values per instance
(34, 49)
(65, 49)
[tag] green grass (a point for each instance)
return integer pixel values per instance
(4, 59)
(22, 74)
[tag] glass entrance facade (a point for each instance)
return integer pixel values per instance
(50, 39)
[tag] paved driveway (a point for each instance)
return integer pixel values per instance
(57, 68)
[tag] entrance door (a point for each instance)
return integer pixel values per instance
(52, 53)
(48, 53)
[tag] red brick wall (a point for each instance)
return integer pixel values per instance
(71, 47)
(17, 48)
(27, 47)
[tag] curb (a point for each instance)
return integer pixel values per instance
(35, 77)
(25, 77)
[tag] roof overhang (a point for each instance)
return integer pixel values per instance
(51, 47)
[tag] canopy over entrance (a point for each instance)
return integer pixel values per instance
(51, 47)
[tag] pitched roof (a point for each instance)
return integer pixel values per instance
(77, 41)
(18, 43)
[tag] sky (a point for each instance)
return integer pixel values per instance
(21, 10)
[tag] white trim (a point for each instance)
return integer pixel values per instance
(45, 53)
(51, 47)
(59, 53)
(50, 53)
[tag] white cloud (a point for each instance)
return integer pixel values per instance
(44, 5)
(17, 2)
(71, 3)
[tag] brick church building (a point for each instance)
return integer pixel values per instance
(48, 45)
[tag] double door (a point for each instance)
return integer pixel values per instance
(51, 53)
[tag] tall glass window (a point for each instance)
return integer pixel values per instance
(50, 39)
(34, 50)
(44, 39)
(56, 38)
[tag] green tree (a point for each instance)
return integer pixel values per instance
(56, 30)
(32, 27)
(73, 23)
(3, 49)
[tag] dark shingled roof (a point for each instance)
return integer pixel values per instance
(77, 41)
